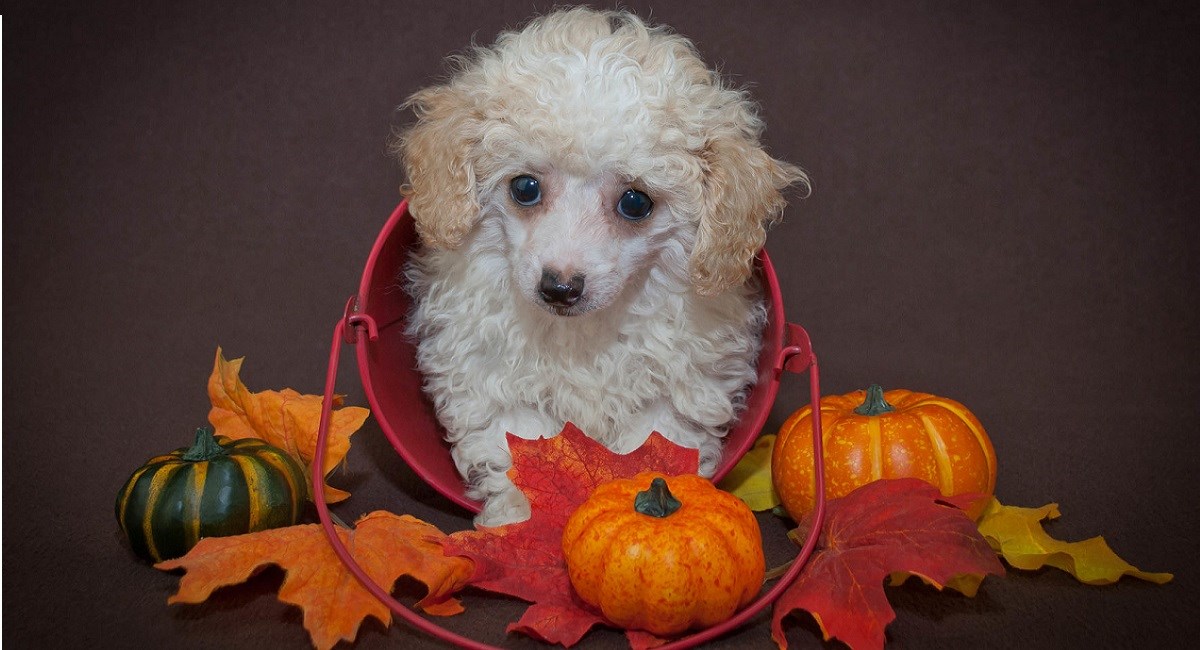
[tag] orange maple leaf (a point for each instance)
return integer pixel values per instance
(387, 546)
(283, 418)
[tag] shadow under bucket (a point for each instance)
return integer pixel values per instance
(387, 364)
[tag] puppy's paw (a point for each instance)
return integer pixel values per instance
(507, 507)
(662, 417)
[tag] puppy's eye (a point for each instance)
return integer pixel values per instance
(526, 190)
(634, 205)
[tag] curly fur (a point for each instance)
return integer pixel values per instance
(666, 334)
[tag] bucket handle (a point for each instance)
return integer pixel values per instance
(797, 356)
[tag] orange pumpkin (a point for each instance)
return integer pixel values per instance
(869, 435)
(664, 554)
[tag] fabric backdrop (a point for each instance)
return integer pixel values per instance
(1003, 213)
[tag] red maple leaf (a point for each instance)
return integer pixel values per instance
(525, 559)
(885, 529)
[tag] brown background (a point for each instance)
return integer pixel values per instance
(1004, 213)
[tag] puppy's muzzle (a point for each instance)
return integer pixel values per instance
(559, 293)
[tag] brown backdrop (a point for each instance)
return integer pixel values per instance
(1004, 213)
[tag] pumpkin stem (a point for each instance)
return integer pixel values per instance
(874, 404)
(656, 501)
(206, 447)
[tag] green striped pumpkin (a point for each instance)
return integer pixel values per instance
(214, 488)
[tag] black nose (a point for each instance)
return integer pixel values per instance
(558, 293)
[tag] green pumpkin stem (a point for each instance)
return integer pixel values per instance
(656, 501)
(874, 404)
(206, 447)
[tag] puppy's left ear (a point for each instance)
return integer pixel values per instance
(742, 195)
(436, 153)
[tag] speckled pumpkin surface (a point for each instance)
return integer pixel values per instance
(872, 434)
(664, 554)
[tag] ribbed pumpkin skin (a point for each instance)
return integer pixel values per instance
(693, 568)
(170, 503)
(928, 437)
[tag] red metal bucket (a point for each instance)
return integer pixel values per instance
(375, 321)
(387, 365)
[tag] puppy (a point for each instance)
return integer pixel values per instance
(590, 198)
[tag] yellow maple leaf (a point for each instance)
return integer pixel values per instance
(750, 479)
(387, 546)
(1017, 535)
(286, 418)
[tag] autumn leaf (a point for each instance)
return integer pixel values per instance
(750, 480)
(1017, 535)
(283, 418)
(888, 529)
(387, 546)
(525, 559)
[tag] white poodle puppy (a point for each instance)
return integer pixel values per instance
(590, 198)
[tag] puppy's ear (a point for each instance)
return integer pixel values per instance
(742, 196)
(436, 153)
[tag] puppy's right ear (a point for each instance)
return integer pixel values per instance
(436, 154)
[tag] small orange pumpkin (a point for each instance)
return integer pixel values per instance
(664, 554)
(869, 435)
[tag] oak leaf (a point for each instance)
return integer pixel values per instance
(750, 480)
(286, 418)
(1017, 535)
(525, 559)
(387, 546)
(887, 529)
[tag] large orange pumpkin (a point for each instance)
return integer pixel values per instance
(872, 434)
(664, 554)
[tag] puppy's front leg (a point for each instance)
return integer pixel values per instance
(662, 417)
(483, 459)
